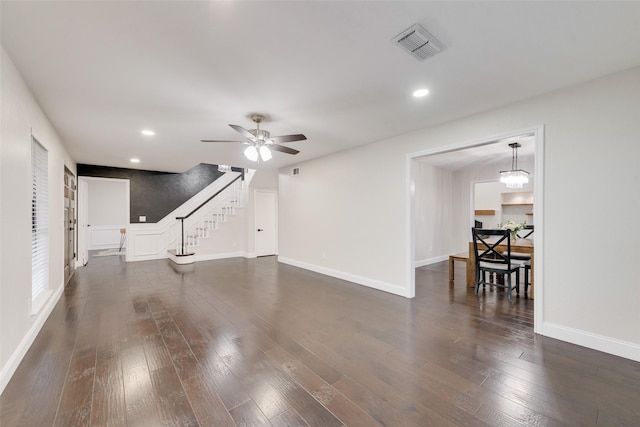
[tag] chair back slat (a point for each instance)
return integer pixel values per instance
(485, 245)
(526, 232)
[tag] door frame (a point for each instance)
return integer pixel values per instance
(538, 209)
(255, 217)
(72, 204)
(83, 216)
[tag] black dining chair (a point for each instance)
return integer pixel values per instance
(490, 259)
(524, 233)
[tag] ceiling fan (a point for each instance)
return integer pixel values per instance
(261, 142)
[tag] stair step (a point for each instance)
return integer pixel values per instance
(175, 253)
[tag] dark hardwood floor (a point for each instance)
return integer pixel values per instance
(253, 342)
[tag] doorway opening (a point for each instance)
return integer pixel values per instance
(458, 217)
(266, 223)
(103, 216)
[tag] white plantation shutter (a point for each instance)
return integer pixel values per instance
(39, 219)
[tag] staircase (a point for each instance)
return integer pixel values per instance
(204, 220)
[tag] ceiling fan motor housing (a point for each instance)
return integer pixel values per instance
(261, 135)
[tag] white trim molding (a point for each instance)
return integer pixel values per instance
(360, 280)
(621, 348)
(429, 261)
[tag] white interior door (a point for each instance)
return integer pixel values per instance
(265, 219)
(83, 219)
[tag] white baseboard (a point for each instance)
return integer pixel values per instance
(104, 246)
(430, 261)
(209, 257)
(621, 348)
(12, 364)
(360, 280)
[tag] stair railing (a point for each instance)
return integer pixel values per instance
(182, 249)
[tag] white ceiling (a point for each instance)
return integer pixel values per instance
(104, 70)
(498, 150)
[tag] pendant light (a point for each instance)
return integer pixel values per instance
(514, 178)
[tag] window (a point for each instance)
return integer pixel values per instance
(39, 219)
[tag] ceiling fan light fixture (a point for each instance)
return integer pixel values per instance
(260, 142)
(265, 153)
(251, 153)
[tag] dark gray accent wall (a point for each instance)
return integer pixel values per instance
(155, 194)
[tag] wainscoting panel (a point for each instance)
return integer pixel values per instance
(104, 236)
(147, 244)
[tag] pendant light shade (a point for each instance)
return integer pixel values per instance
(251, 153)
(514, 178)
(265, 153)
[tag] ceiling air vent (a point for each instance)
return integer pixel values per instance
(418, 42)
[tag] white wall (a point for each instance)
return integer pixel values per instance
(108, 202)
(343, 216)
(20, 114)
(351, 206)
(265, 178)
(433, 214)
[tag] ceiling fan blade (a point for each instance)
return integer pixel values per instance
(282, 148)
(243, 132)
(288, 138)
(221, 140)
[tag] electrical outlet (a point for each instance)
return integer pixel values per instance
(142, 218)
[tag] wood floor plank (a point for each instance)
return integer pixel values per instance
(206, 403)
(289, 418)
(373, 405)
(248, 414)
(174, 406)
(108, 406)
(140, 398)
(323, 392)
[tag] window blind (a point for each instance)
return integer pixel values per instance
(39, 219)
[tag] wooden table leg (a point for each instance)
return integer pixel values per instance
(471, 267)
(451, 267)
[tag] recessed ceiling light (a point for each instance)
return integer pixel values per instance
(420, 93)
(134, 160)
(148, 132)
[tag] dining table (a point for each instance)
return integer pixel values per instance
(519, 246)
